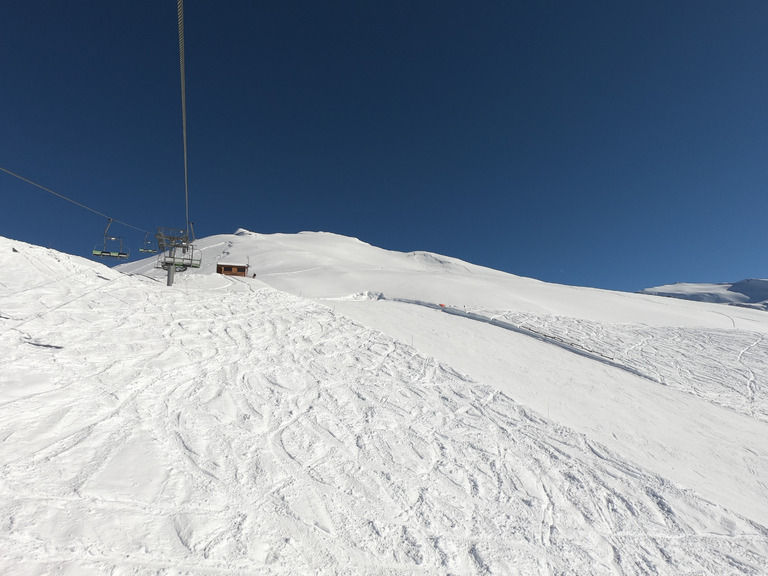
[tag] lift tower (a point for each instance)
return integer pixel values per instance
(177, 253)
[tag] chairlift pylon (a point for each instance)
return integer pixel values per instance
(177, 251)
(107, 251)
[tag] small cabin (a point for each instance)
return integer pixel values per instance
(232, 269)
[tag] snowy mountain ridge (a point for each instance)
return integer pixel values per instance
(352, 410)
(750, 293)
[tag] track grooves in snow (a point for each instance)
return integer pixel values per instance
(530, 333)
(222, 427)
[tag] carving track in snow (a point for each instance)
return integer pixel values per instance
(223, 427)
(697, 361)
(725, 367)
(573, 347)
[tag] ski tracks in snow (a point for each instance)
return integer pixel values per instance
(698, 361)
(243, 430)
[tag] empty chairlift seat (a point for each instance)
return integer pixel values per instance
(176, 250)
(112, 246)
(184, 256)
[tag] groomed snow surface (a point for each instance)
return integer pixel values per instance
(357, 411)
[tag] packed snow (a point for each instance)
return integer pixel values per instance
(352, 410)
(752, 293)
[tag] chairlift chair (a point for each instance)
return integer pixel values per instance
(108, 251)
(148, 246)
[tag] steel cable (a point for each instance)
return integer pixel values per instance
(76, 203)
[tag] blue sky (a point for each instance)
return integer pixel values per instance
(620, 145)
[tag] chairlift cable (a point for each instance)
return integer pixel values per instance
(180, 11)
(72, 201)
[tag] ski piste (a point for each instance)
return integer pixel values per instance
(306, 421)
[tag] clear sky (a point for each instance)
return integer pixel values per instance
(620, 145)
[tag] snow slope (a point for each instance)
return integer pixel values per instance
(712, 355)
(751, 293)
(331, 417)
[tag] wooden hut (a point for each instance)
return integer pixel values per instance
(232, 269)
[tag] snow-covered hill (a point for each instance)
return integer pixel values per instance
(357, 411)
(752, 293)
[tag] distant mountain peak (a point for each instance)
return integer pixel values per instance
(751, 293)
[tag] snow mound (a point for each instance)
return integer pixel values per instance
(360, 296)
(439, 263)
